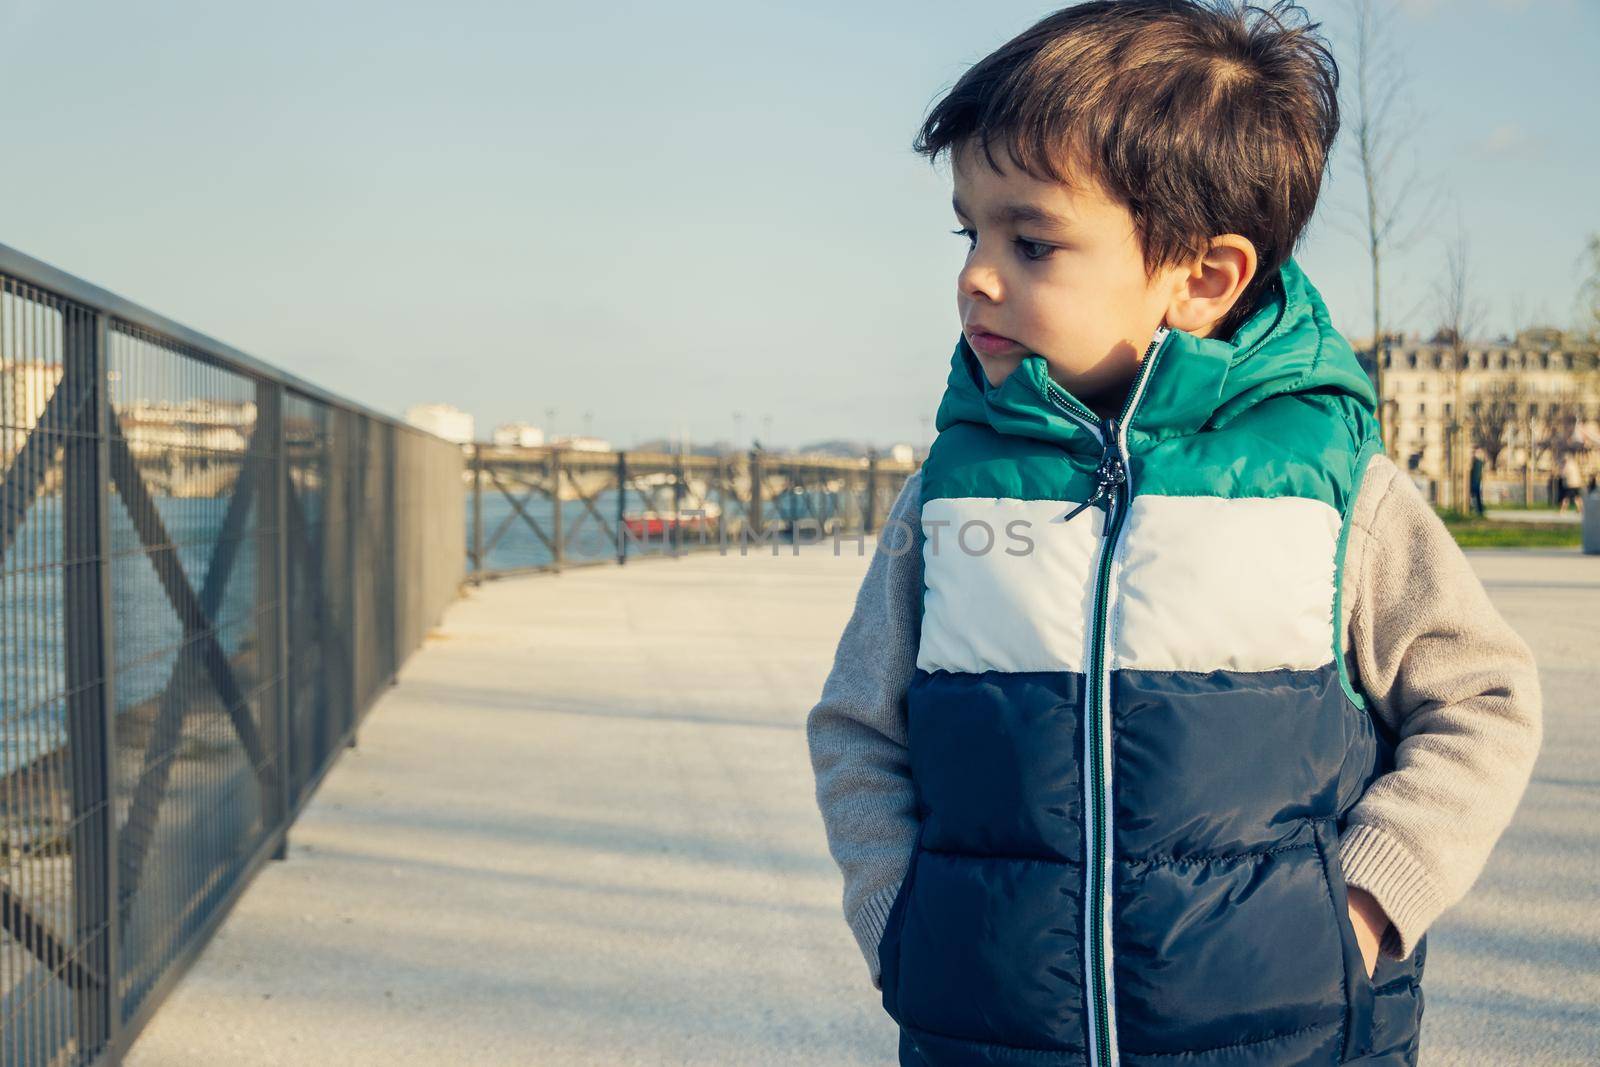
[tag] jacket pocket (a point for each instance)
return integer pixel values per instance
(1358, 988)
(889, 943)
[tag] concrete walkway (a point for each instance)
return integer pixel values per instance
(582, 830)
(1570, 517)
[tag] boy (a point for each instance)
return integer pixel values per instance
(1168, 716)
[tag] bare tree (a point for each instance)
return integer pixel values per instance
(1491, 415)
(1554, 432)
(1519, 320)
(1587, 326)
(1565, 415)
(1379, 128)
(1460, 314)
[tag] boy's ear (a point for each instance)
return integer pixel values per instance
(1208, 288)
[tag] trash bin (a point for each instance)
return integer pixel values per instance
(1591, 523)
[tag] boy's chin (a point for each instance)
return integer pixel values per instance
(997, 370)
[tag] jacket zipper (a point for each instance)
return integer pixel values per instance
(1113, 486)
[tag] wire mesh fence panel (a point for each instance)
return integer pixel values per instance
(196, 765)
(54, 814)
(209, 571)
(543, 508)
(199, 567)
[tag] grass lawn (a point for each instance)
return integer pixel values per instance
(1473, 532)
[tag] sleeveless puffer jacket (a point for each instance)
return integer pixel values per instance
(1131, 733)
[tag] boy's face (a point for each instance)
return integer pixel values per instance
(1054, 270)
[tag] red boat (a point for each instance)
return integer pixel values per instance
(655, 522)
(654, 525)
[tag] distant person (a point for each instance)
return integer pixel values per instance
(1571, 481)
(1104, 775)
(1475, 481)
(1423, 483)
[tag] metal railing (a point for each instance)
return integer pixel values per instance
(208, 571)
(550, 508)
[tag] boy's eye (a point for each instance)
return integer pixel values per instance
(1033, 249)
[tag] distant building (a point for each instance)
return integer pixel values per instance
(442, 420)
(25, 388)
(518, 435)
(176, 443)
(580, 443)
(902, 453)
(1540, 388)
(161, 426)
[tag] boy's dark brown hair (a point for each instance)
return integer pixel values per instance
(1203, 117)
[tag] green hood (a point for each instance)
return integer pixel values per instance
(1195, 384)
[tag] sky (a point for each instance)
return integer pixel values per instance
(646, 220)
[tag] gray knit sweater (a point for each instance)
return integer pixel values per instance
(1442, 667)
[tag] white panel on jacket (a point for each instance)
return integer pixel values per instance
(992, 602)
(1215, 583)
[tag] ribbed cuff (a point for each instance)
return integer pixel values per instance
(868, 925)
(1376, 862)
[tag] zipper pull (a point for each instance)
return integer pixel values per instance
(1098, 493)
(1117, 474)
(1107, 476)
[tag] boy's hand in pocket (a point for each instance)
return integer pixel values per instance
(1369, 922)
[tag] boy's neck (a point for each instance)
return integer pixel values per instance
(1109, 403)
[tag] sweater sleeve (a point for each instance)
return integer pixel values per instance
(857, 730)
(1461, 691)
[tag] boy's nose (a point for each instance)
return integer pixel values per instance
(978, 281)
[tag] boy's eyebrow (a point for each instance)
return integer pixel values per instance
(1016, 212)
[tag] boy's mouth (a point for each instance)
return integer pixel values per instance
(990, 344)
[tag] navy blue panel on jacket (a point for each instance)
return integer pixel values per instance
(1215, 830)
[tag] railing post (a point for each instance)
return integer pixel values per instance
(477, 512)
(90, 684)
(676, 541)
(869, 521)
(276, 494)
(355, 511)
(622, 507)
(789, 510)
(109, 858)
(559, 534)
(755, 492)
(724, 476)
(391, 546)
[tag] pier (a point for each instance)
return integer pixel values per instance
(325, 740)
(580, 831)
